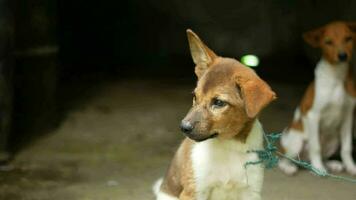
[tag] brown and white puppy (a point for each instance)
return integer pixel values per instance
(324, 118)
(220, 127)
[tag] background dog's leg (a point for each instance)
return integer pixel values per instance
(346, 142)
(292, 142)
(287, 167)
(311, 122)
(334, 166)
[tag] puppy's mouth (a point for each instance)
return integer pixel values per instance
(200, 138)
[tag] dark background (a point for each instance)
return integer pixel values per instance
(52, 52)
(147, 38)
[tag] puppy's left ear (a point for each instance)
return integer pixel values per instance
(201, 54)
(256, 94)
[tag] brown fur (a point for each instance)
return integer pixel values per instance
(175, 178)
(220, 78)
(242, 136)
(308, 99)
(350, 84)
(218, 75)
(297, 125)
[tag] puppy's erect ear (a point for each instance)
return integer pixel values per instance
(255, 93)
(313, 37)
(201, 54)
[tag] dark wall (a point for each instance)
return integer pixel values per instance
(28, 70)
(6, 70)
(149, 36)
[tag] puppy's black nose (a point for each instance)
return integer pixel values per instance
(342, 56)
(186, 127)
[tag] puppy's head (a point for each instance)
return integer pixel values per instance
(336, 41)
(227, 98)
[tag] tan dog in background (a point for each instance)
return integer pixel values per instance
(220, 127)
(324, 117)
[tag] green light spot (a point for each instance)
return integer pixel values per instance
(250, 60)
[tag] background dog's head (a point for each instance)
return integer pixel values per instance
(335, 39)
(227, 98)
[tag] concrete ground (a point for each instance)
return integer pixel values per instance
(118, 142)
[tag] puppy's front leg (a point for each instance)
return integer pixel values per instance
(312, 121)
(346, 142)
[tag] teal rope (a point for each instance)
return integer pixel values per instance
(270, 157)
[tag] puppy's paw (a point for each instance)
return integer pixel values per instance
(351, 170)
(287, 167)
(335, 166)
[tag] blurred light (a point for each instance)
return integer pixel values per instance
(250, 60)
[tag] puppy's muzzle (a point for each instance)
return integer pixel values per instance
(188, 129)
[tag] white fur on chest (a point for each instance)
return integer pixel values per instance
(332, 114)
(330, 95)
(219, 168)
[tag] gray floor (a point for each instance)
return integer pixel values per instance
(116, 144)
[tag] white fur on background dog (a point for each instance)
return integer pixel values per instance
(219, 168)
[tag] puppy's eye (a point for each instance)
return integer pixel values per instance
(218, 103)
(348, 39)
(329, 42)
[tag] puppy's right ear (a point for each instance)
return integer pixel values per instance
(201, 54)
(313, 37)
(256, 94)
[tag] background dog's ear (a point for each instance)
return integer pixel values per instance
(313, 37)
(352, 26)
(201, 54)
(256, 94)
